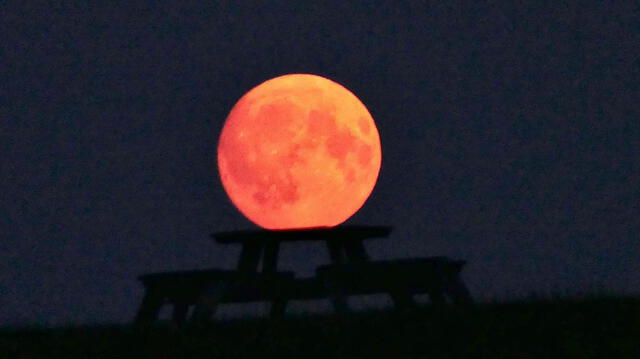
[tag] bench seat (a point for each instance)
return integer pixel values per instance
(402, 278)
(439, 277)
(183, 289)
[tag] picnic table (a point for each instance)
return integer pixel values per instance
(351, 272)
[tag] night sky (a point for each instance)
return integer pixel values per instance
(509, 134)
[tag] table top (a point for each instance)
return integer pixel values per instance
(354, 232)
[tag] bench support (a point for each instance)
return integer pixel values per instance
(150, 307)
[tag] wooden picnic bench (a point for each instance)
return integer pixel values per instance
(207, 288)
(350, 273)
(401, 279)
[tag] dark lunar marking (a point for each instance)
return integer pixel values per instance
(292, 157)
(234, 160)
(351, 176)
(320, 123)
(281, 118)
(260, 198)
(289, 193)
(341, 143)
(365, 152)
(364, 125)
(273, 192)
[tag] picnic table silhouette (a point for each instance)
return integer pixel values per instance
(351, 272)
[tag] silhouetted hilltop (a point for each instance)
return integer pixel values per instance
(587, 328)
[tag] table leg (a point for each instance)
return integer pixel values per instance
(402, 299)
(250, 257)
(452, 285)
(355, 251)
(335, 252)
(442, 272)
(270, 257)
(340, 303)
(437, 297)
(278, 308)
(336, 293)
(458, 292)
(150, 307)
(207, 303)
(180, 311)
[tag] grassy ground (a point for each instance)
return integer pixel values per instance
(590, 328)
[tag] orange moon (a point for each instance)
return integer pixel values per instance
(299, 151)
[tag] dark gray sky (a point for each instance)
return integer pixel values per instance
(509, 132)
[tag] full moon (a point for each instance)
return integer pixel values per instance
(299, 151)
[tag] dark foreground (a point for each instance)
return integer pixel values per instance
(594, 328)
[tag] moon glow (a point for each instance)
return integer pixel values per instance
(299, 151)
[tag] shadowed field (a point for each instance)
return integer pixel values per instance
(587, 328)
